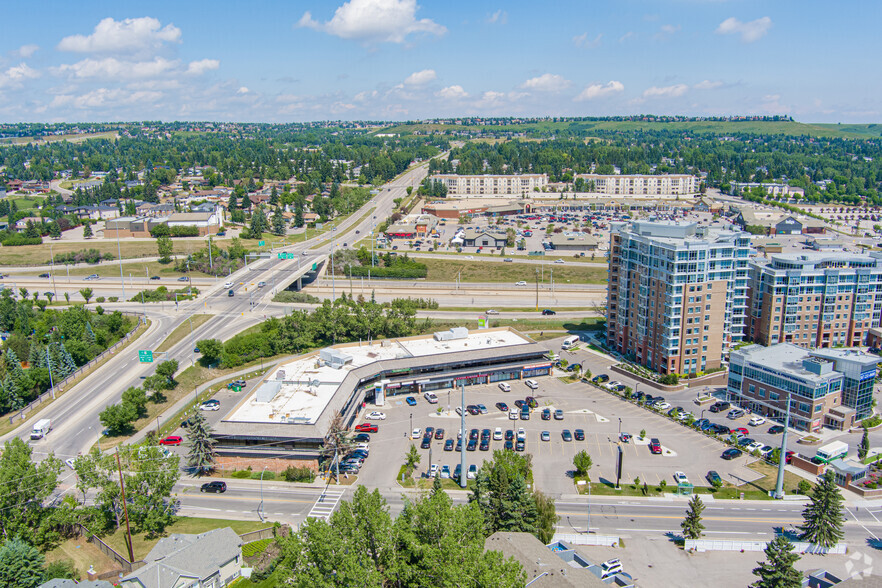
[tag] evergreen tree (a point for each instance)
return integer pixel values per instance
(278, 222)
(298, 214)
(691, 525)
(13, 367)
(778, 571)
(274, 197)
(54, 230)
(823, 515)
(90, 334)
(864, 447)
(87, 229)
(258, 223)
(36, 355)
(67, 363)
(201, 456)
(517, 508)
(21, 565)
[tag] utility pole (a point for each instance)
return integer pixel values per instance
(537, 290)
(782, 459)
(52, 271)
(121, 278)
(210, 261)
(122, 487)
(49, 363)
(462, 454)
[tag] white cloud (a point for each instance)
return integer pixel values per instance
(452, 93)
(129, 35)
(362, 96)
(418, 78)
(203, 65)
(16, 74)
(771, 104)
(665, 91)
(547, 83)
(583, 41)
(600, 90)
(374, 21)
(708, 85)
(27, 50)
(498, 17)
(666, 31)
(749, 31)
(242, 90)
(111, 67)
(627, 36)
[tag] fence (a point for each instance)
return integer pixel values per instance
(587, 539)
(59, 386)
(722, 545)
(267, 533)
(127, 566)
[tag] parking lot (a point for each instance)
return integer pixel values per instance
(597, 413)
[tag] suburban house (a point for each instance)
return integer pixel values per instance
(22, 224)
(208, 560)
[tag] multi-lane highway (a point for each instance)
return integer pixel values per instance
(74, 415)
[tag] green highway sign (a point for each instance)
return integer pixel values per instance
(286, 256)
(261, 243)
(145, 356)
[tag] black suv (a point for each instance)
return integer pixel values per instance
(214, 487)
(720, 406)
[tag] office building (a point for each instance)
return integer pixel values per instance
(828, 387)
(815, 300)
(489, 186)
(677, 293)
(642, 184)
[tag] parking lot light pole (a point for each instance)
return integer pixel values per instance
(411, 424)
(462, 453)
(782, 459)
(260, 508)
(620, 428)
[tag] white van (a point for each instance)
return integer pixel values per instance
(569, 342)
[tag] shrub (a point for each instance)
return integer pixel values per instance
(17, 239)
(289, 296)
(803, 487)
(299, 474)
(255, 547)
(872, 421)
(113, 298)
(100, 299)
(669, 379)
(266, 475)
(241, 474)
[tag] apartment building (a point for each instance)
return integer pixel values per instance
(642, 184)
(487, 186)
(827, 387)
(815, 300)
(677, 293)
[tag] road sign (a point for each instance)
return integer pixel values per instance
(261, 243)
(145, 356)
(286, 256)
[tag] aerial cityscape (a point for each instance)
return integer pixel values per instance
(599, 285)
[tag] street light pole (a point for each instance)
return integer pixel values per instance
(462, 453)
(119, 253)
(52, 270)
(260, 507)
(782, 459)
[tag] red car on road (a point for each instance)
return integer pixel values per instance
(172, 440)
(367, 428)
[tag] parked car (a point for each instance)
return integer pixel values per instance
(215, 486)
(416, 433)
(680, 478)
(367, 428)
(600, 379)
(210, 405)
(426, 442)
(713, 478)
(376, 416)
(439, 433)
(497, 434)
(445, 471)
(624, 437)
(504, 387)
(731, 453)
(655, 446)
(546, 414)
(531, 384)
(531, 402)
(362, 438)
(171, 440)
(481, 408)
(776, 429)
(473, 472)
(755, 421)
(448, 445)
(502, 406)
(411, 401)
(521, 445)
(579, 434)
(719, 406)
(558, 415)
(545, 436)
(735, 413)
(566, 435)
(741, 431)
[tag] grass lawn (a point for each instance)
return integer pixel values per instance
(444, 270)
(39, 254)
(141, 544)
(183, 330)
(550, 324)
(277, 578)
(83, 554)
(770, 472)
(111, 270)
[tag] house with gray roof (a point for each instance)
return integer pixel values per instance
(207, 560)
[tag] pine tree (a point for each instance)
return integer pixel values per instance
(87, 230)
(778, 571)
(517, 510)
(90, 334)
(278, 222)
(298, 214)
(13, 367)
(68, 365)
(864, 447)
(202, 455)
(21, 565)
(258, 223)
(274, 197)
(36, 355)
(691, 525)
(823, 515)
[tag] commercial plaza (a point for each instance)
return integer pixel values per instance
(291, 411)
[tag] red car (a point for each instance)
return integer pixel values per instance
(367, 428)
(788, 455)
(741, 430)
(173, 440)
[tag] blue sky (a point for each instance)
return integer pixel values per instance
(303, 60)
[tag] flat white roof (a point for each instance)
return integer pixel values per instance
(306, 387)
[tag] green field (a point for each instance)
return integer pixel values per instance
(854, 131)
(54, 138)
(473, 270)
